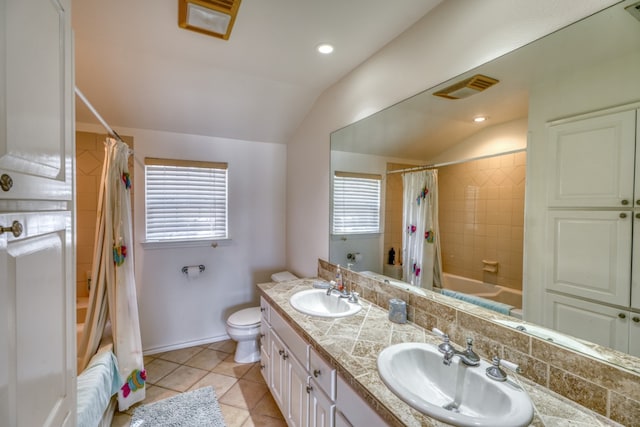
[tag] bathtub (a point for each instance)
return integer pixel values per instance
(480, 289)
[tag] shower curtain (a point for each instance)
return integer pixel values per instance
(422, 265)
(113, 288)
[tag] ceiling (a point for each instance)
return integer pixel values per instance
(140, 70)
(425, 126)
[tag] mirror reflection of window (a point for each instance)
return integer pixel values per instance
(356, 203)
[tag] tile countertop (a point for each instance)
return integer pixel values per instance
(352, 344)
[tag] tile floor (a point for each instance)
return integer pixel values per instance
(242, 394)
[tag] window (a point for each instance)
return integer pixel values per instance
(356, 203)
(185, 200)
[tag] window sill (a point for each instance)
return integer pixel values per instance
(167, 244)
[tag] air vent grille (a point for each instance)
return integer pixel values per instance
(467, 87)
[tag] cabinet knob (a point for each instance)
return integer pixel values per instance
(638, 202)
(262, 366)
(309, 388)
(15, 229)
(622, 315)
(623, 215)
(316, 373)
(285, 356)
(636, 319)
(638, 215)
(625, 202)
(6, 182)
(261, 335)
(263, 309)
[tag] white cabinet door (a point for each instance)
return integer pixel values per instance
(591, 161)
(36, 99)
(278, 371)
(589, 321)
(589, 254)
(321, 408)
(297, 400)
(37, 356)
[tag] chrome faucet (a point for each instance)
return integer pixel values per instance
(333, 287)
(468, 356)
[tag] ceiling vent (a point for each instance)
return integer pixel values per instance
(212, 17)
(468, 87)
(634, 10)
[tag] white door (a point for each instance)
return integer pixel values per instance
(37, 291)
(591, 162)
(297, 397)
(321, 408)
(589, 321)
(278, 371)
(36, 99)
(589, 254)
(37, 361)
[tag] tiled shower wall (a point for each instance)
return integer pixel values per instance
(89, 159)
(481, 213)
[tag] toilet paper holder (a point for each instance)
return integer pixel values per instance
(185, 269)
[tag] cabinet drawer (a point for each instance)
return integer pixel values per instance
(323, 374)
(265, 310)
(298, 347)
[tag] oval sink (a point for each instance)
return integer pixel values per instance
(316, 302)
(457, 394)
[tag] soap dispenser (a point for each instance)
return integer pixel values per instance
(339, 283)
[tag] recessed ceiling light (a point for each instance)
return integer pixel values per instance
(325, 48)
(479, 119)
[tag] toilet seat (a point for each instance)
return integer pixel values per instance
(245, 319)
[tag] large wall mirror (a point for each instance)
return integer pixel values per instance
(493, 175)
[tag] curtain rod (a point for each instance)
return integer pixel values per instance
(455, 162)
(96, 114)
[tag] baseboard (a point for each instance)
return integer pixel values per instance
(186, 344)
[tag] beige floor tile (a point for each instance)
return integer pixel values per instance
(233, 417)
(158, 369)
(244, 394)
(227, 346)
(148, 359)
(267, 406)
(263, 421)
(229, 367)
(254, 374)
(121, 420)
(182, 378)
(206, 359)
(220, 383)
(181, 355)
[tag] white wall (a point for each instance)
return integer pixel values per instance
(611, 84)
(455, 37)
(174, 311)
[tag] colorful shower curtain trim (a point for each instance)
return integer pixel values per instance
(113, 291)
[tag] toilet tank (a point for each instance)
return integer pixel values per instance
(282, 276)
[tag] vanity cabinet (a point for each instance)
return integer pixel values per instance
(304, 385)
(592, 267)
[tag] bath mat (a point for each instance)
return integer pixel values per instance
(197, 408)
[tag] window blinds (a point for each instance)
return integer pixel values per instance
(185, 200)
(356, 203)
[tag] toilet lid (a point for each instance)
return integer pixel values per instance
(245, 317)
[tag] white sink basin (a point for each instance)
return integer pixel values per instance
(316, 302)
(457, 394)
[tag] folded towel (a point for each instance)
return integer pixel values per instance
(479, 301)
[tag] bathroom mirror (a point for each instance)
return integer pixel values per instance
(426, 129)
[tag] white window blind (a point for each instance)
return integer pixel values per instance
(185, 200)
(356, 203)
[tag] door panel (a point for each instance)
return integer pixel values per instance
(40, 364)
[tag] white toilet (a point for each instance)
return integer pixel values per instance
(243, 326)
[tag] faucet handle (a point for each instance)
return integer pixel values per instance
(446, 346)
(353, 297)
(496, 373)
(470, 354)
